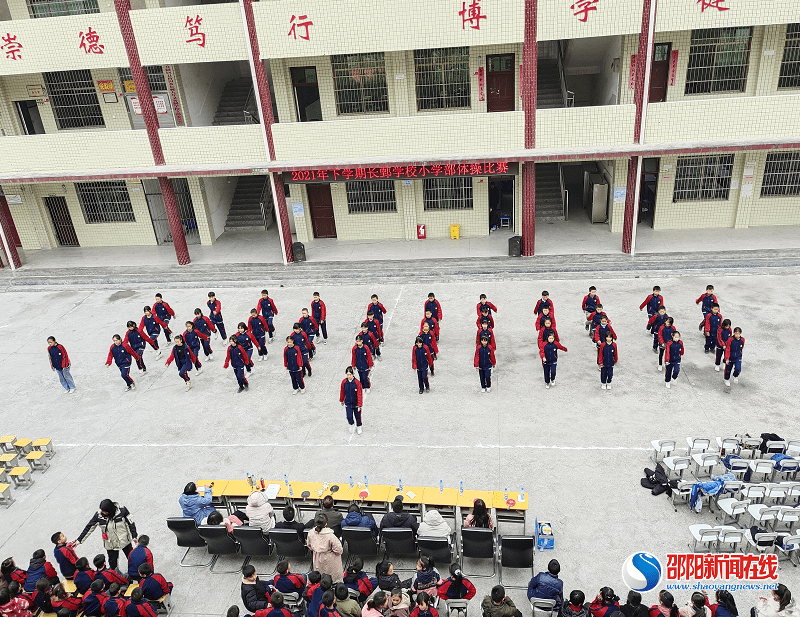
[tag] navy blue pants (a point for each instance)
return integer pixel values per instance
(154, 338)
(306, 363)
(221, 327)
(125, 372)
(270, 327)
(671, 373)
(486, 377)
(711, 342)
(262, 347)
(655, 339)
(736, 365)
(363, 377)
(297, 380)
(422, 377)
(377, 351)
(549, 372)
(720, 353)
(606, 374)
(353, 411)
(239, 372)
(183, 371)
(324, 327)
(140, 361)
(250, 357)
(167, 331)
(206, 347)
(196, 352)
(660, 356)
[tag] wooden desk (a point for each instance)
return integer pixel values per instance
(375, 502)
(467, 498)
(433, 497)
(235, 494)
(515, 514)
(410, 504)
(216, 490)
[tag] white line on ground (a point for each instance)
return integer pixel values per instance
(354, 445)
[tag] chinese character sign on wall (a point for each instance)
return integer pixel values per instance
(195, 36)
(582, 8)
(399, 172)
(712, 4)
(90, 42)
(11, 46)
(471, 15)
(299, 27)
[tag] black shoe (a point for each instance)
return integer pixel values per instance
(144, 370)
(432, 373)
(700, 327)
(708, 351)
(427, 388)
(309, 373)
(421, 391)
(655, 349)
(247, 386)
(240, 390)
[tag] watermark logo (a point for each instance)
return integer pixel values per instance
(641, 572)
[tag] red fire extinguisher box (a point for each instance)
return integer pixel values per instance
(420, 232)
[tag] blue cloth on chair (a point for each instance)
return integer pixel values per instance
(726, 460)
(710, 488)
(778, 458)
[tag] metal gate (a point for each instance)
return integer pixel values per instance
(158, 212)
(62, 221)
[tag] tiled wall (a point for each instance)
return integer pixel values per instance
(358, 226)
(585, 127)
(688, 14)
(617, 211)
(200, 145)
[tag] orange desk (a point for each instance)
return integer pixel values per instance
(216, 490)
(516, 513)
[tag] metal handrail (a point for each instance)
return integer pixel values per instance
(562, 53)
(566, 208)
(249, 117)
(265, 192)
(570, 98)
(563, 190)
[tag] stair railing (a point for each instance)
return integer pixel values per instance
(565, 94)
(249, 118)
(265, 195)
(564, 201)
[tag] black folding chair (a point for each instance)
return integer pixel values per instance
(253, 543)
(516, 552)
(185, 530)
(361, 542)
(479, 543)
(439, 548)
(219, 543)
(399, 541)
(287, 543)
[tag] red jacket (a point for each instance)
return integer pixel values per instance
(492, 342)
(299, 356)
(200, 335)
(482, 317)
(353, 356)
(372, 337)
(142, 332)
(668, 347)
(435, 325)
(491, 306)
(414, 356)
(434, 346)
(171, 358)
(209, 323)
(601, 349)
(157, 320)
(64, 356)
(271, 303)
(323, 311)
(540, 321)
(378, 327)
(250, 325)
(596, 333)
(491, 356)
(556, 338)
(539, 304)
(127, 348)
(359, 390)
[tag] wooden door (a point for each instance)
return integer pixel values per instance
(500, 82)
(306, 94)
(62, 221)
(659, 73)
(321, 208)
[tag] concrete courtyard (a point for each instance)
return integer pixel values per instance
(579, 451)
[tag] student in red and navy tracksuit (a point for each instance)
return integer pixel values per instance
(320, 313)
(655, 323)
(375, 326)
(652, 302)
(485, 316)
(733, 356)
(420, 361)
(370, 340)
(277, 610)
(723, 336)
(429, 340)
(204, 326)
(193, 339)
(589, 303)
(138, 606)
(309, 326)
(356, 579)
(485, 303)
(258, 327)
(601, 331)
(361, 359)
(549, 355)
(706, 302)
(485, 330)
(287, 581)
(484, 363)
(546, 330)
(545, 315)
(672, 356)
(378, 309)
(116, 604)
(121, 354)
(328, 605)
(106, 574)
(268, 310)
(301, 341)
(59, 362)
(64, 554)
(433, 306)
(238, 358)
(152, 324)
(606, 359)
(61, 599)
(595, 318)
(154, 586)
(84, 575)
(164, 312)
(545, 301)
(246, 341)
(293, 362)
(95, 598)
(432, 323)
(350, 396)
(664, 337)
(215, 314)
(138, 339)
(184, 357)
(711, 326)
(456, 586)
(139, 555)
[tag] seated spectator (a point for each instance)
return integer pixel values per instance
(288, 522)
(95, 599)
(399, 519)
(375, 605)
(335, 517)
(434, 526)
(107, 574)
(84, 575)
(778, 604)
(11, 572)
(426, 578)
(328, 608)
(38, 568)
(348, 607)
(424, 607)
(400, 603)
(278, 609)
(498, 604)
(547, 585)
(479, 517)
(576, 606)
(14, 607)
(695, 608)
(255, 592)
(64, 601)
(356, 579)
(65, 556)
(259, 511)
(313, 579)
(141, 554)
(387, 579)
(355, 518)
(315, 597)
(40, 598)
(666, 605)
(194, 505)
(726, 605)
(154, 586)
(287, 581)
(138, 606)
(116, 604)
(605, 603)
(633, 607)
(456, 587)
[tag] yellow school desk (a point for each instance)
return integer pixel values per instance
(514, 514)
(216, 490)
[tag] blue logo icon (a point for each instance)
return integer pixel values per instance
(641, 572)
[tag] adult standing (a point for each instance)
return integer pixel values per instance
(194, 505)
(326, 548)
(117, 528)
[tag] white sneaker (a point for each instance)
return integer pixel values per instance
(366, 390)
(200, 370)
(271, 340)
(295, 392)
(728, 383)
(660, 367)
(169, 343)
(210, 356)
(72, 390)
(716, 367)
(216, 334)
(547, 385)
(302, 390)
(735, 380)
(133, 386)
(359, 431)
(325, 341)
(602, 386)
(668, 385)
(352, 429)
(188, 385)
(608, 386)
(553, 382)
(483, 389)
(66, 391)
(488, 390)
(158, 354)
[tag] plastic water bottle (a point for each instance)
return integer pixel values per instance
(441, 486)
(351, 481)
(505, 493)
(461, 487)
(522, 493)
(286, 479)
(291, 492)
(366, 484)
(400, 484)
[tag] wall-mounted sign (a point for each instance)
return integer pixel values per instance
(13, 199)
(35, 91)
(106, 85)
(129, 86)
(673, 66)
(158, 101)
(297, 209)
(109, 97)
(404, 172)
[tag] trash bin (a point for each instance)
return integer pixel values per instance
(515, 246)
(455, 231)
(298, 251)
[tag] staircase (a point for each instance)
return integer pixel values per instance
(237, 97)
(549, 200)
(548, 82)
(245, 212)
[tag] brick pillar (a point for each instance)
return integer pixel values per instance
(265, 99)
(123, 8)
(641, 84)
(9, 247)
(530, 60)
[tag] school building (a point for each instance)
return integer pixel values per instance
(145, 122)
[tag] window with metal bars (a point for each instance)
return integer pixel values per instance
(370, 196)
(58, 8)
(73, 98)
(360, 83)
(447, 193)
(155, 77)
(105, 202)
(718, 60)
(703, 178)
(790, 65)
(442, 78)
(781, 175)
